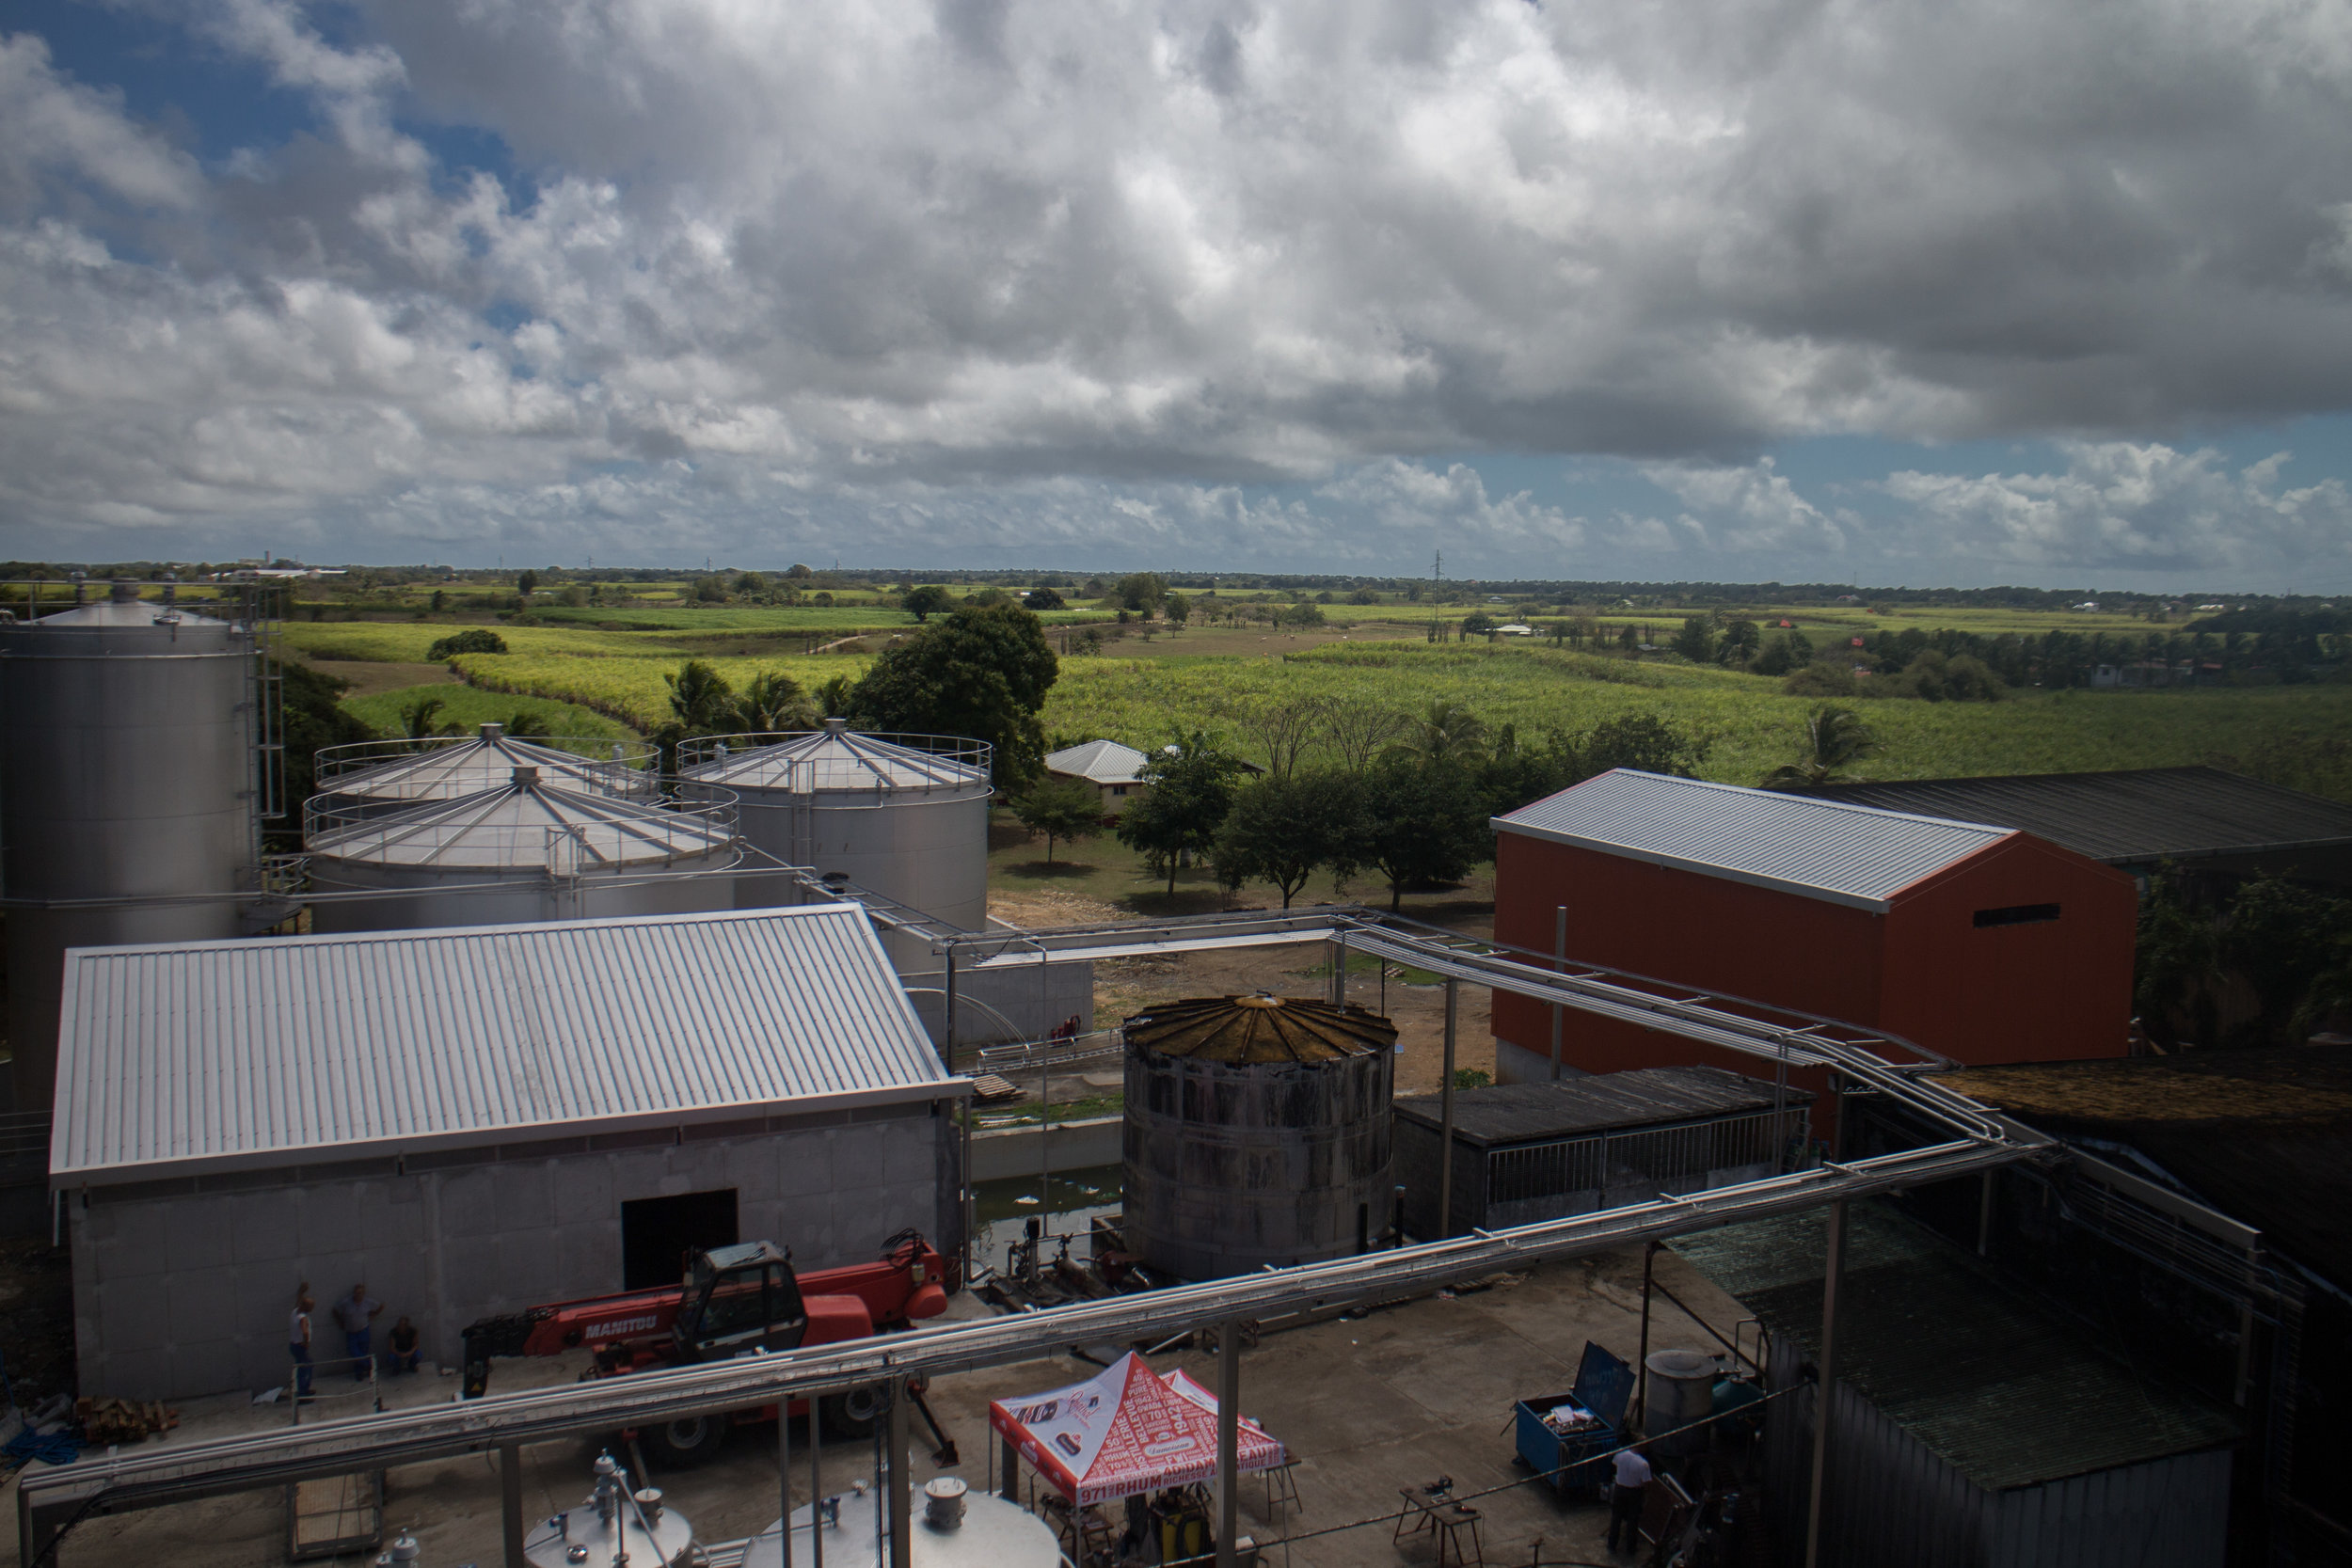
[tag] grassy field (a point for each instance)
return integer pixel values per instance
(1208, 677)
(467, 707)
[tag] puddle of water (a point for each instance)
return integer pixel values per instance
(1070, 1203)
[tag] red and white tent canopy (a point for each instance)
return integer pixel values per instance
(1124, 1431)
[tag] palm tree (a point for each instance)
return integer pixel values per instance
(700, 697)
(419, 718)
(1834, 736)
(526, 723)
(772, 701)
(1447, 733)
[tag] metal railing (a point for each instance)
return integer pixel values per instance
(601, 833)
(1649, 1160)
(615, 765)
(25, 1138)
(948, 760)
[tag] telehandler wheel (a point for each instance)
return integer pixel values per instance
(682, 1444)
(854, 1414)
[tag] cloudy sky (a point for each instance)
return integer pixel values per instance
(1973, 291)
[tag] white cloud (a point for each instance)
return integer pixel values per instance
(997, 265)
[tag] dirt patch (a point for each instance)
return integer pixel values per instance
(1050, 905)
(366, 678)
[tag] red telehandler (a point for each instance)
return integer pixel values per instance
(736, 1299)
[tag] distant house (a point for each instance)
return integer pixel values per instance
(1115, 770)
(1515, 629)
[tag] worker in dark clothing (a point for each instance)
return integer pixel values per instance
(400, 1348)
(1624, 1498)
(356, 1315)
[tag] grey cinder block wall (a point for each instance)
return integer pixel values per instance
(183, 1287)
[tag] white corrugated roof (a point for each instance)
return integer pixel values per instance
(1098, 762)
(526, 824)
(839, 758)
(1852, 855)
(225, 1055)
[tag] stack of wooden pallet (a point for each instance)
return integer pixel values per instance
(110, 1420)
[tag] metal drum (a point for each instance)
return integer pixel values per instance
(904, 816)
(615, 1525)
(521, 853)
(990, 1533)
(1257, 1132)
(128, 774)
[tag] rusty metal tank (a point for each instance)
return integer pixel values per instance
(1257, 1132)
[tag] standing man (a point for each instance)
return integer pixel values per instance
(356, 1315)
(1625, 1499)
(298, 1339)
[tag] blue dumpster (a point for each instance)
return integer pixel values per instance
(1577, 1463)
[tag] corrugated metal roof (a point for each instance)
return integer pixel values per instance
(839, 758)
(1854, 855)
(527, 823)
(487, 761)
(227, 1055)
(1502, 1114)
(2125, 818)
(2000, 1389)
(1098, 762)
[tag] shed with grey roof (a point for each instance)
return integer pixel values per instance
(1963, 942)
(2202, 819)
(473, 1120)
(1974, 1428)
(1524, 1152)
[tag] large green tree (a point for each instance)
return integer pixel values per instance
(1282, 831)
(1192, 784)
(1420, 822)
(1069, 808)
(978, 673)
(924, 602)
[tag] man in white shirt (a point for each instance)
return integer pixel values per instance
(1624, 1498)
(298, 1340)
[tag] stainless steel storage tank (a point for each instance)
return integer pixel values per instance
(393, 775)
(904, 816)
(128, 773)
(525, 851)
(1257, 1132)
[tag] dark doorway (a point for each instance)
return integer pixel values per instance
(658, 1235)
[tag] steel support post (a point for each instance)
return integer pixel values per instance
(947, 1009)
(511, 1504)
(1228, 1440)
(1984, 1216)
(901, 1480)
(1339, 971)
(1445, 1115)
(1825, 1388)
(1560, 963)
(783, 1482)
(815, 1488)
(1641, 1365)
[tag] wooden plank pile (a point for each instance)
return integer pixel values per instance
(112, 1420)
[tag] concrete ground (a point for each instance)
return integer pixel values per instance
(1369, 1406)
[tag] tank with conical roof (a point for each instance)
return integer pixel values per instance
(128, 793)
(1257, 1132)
(903, 816)
(370, 777)
(525, 850)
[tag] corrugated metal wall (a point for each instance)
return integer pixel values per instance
(1892, 1504)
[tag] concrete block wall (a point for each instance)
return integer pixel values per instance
(181, 1289)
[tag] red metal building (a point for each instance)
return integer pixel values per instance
(1977, 943)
